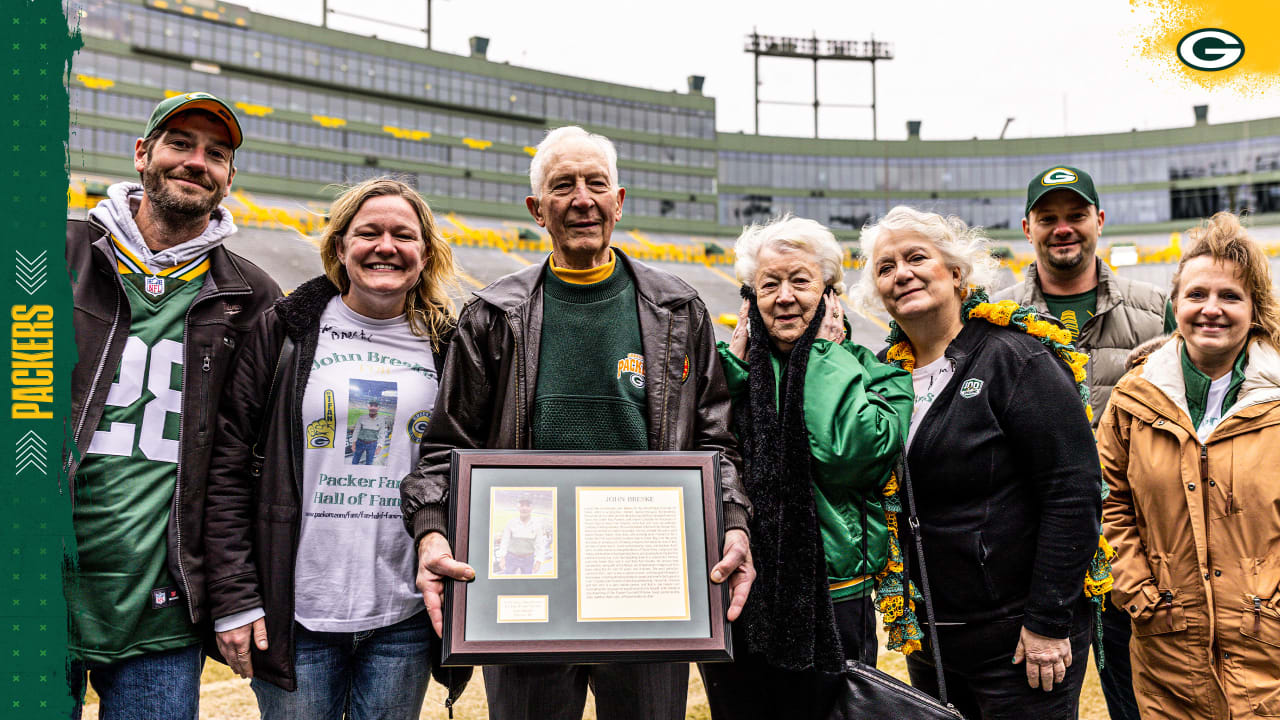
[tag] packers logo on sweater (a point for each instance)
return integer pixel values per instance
(633, 367)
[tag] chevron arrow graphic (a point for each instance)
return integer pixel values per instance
(31, 273)
(31, 450)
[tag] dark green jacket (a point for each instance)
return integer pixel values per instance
(856, 412)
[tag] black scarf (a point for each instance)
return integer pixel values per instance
(788, 619)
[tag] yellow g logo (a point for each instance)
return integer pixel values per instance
(418, 424)
(1058, 176)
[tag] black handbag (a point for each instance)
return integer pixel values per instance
(869, 693)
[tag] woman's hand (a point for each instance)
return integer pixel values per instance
(435, 563)
(234, 645)
(738, 343)
(1047, 659)
(832, 327)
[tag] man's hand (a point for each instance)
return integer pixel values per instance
(735, 565)
(1047, 658)
(738, 342)
(234, 645)
(435, 563)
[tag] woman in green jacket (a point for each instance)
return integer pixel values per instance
(821, 423)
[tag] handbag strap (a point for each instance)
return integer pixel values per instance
(914, 523)
(259, 444)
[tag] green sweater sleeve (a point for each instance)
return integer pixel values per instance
(735, 371)
(857, 411)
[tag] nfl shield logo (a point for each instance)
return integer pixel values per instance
(157, 597)
(970, 388)
(154, 286)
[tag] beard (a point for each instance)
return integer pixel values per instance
(1067, 262)
(176, 206)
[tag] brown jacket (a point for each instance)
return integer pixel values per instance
(1196, 529)
(491, 372)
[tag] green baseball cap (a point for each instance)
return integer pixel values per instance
(1060, 177)
(195, 101)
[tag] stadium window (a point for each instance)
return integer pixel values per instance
(667, 123)
(654, 121)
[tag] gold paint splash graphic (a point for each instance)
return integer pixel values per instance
(1255, 22)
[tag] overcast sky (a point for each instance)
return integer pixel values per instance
(960, 67)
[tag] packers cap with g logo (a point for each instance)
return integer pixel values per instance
(195, 101)
(1060, 177)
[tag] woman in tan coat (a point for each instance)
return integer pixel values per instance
(1190, 448)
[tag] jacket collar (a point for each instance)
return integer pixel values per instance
(1162, 372)
(301, 309)
(971, 338)
(224, 274)
(1109, 295)
(663, 289)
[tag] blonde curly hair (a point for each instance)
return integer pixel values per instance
(1222, 237)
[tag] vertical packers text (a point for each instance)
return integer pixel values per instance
(31, 351)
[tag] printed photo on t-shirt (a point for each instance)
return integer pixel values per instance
(371, 415)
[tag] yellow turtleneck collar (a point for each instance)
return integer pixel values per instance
(600, 273)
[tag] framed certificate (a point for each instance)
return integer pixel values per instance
(585, 557)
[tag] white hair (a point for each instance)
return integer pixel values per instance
(546, 149)
(962, 247)
(790, 233)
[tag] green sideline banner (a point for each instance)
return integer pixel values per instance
(39, 354)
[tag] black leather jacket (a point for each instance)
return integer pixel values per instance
(234, 293)
(253, 525)
(491, 372)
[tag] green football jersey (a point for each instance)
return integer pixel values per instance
(123, 600)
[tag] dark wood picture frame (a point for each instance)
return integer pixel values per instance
(457, 650)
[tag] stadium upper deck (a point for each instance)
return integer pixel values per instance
(321, 106)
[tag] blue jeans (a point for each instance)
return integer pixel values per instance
(377, 674)
(156, 685)
(365, 448)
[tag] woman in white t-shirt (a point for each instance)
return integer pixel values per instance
(311, 575)
(1190, 443)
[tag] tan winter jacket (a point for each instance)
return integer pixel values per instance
(1196, 529)
(1129, 313)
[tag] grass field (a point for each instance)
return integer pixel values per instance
(223, 696)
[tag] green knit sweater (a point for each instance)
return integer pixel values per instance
(590, 393)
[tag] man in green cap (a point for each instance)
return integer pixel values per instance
(160, 306)
(1107, 315)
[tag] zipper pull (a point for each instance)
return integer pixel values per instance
(448, 704)
(1257, 615)
(207, 364)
